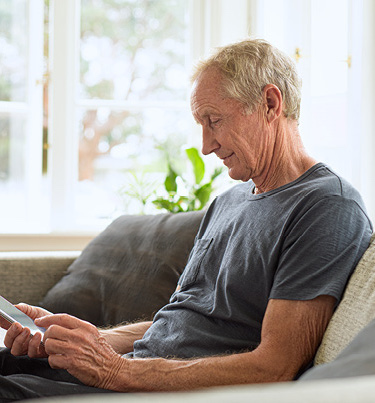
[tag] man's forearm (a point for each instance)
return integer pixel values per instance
(122, 338)
(137, 375)
(291, 333)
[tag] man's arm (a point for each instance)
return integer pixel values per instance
(291, 333)
(20, 342)
(122, 338)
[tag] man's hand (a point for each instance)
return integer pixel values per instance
(78, 347)
(19, 340)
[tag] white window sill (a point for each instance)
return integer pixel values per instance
(44, 242)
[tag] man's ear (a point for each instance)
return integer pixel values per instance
(273, 100)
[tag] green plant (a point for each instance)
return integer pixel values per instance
(140, 187)
(193, 196)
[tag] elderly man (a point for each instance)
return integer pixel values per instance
(269, 265)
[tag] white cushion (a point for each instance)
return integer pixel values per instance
(361, 389)
(354, 312)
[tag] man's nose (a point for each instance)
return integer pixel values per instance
(209, 143)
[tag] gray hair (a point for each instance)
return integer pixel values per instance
(248, 66)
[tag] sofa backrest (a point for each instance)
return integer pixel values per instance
(129, 271)
(354, 312)
(27, 276)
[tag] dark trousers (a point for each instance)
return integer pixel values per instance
(27, 378)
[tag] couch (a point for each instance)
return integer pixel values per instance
(129, 271)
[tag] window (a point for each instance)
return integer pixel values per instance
(116, 92)
(94, 94)
(21, 61)
(132, 98)
(105, 103)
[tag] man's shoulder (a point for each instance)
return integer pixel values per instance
(318, 183)
(325, 182)
(324, 190)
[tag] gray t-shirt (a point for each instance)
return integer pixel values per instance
(296, 242)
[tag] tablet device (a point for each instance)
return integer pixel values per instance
(12, 314)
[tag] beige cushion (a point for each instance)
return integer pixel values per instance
(27, 276)
(355, 311)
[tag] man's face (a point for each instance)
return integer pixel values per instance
(239, 139)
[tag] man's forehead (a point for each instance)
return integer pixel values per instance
(206, 88)
(209, 77)
(204, 102)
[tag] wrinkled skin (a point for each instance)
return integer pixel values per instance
(78, 347)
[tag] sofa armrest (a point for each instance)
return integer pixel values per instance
(27, 276)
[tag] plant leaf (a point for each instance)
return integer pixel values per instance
(170, 183)
(203, 194)
(217, 172)
(167, 205)
(198, 164)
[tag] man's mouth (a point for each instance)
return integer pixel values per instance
(225, 159)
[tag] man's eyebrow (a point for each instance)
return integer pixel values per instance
(196, 119)
(204, 114)
(199, 118)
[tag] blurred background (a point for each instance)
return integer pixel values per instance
(94, 99)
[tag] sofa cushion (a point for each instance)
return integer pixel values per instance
(360, 390)
(129, 271)
(357, 359)
(354, 312)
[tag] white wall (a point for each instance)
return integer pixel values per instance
(366, 120)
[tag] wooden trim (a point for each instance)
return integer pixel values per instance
(44, 242)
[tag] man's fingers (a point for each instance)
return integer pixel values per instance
(20, 343)
(32, 311)
(4, 323)
(14, 331)
(26, 309)
(57, 361)
(36, 349)
(54, 346)
(63, 320)
(59, 333)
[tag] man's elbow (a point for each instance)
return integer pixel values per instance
(269, 368)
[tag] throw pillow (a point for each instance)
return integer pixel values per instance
(127, 272)
(354, 312)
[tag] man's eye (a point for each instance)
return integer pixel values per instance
(214, 121)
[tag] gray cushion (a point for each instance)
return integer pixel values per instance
(357, 359)
(129, 271)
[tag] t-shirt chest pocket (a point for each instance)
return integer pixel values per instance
(189, 276)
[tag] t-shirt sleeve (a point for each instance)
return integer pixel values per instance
(321, 249)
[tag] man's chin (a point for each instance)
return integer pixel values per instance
(237, 176)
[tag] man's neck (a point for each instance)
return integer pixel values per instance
(284, 179)
(287, 163)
